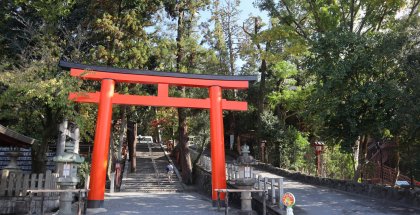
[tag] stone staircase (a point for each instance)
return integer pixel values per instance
(150, 175)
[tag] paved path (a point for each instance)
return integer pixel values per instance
(124, 203)
(319, 200)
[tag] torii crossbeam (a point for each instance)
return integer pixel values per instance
(108, 76)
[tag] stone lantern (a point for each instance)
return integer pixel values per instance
(12, 167)
(67, 163)
(245, 181)
(67, 160)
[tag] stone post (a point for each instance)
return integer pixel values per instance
(63, 131)
(76, 139)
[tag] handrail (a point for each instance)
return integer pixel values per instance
(227, 191)
(80, 191)
(262, 182)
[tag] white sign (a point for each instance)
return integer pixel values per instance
(66, 170)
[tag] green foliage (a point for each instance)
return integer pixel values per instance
(354, 51)
(287, 95)
(286, 146)
(83, 171)
(355, 91)
(329, 70)
(336, 163)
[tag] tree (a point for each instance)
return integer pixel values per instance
(215, 38)
(119, 39)
(406, 124)
(110, 33)
(351, 61)
(34, 92)
(186, 14)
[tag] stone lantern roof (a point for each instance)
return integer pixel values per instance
(245, 158)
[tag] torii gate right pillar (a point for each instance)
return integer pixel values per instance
(218, 169)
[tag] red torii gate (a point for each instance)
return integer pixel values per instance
(107, 97)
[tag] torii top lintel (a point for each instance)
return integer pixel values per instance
(163, 80)
(90, 72)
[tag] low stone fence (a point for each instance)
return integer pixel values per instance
(14, 197)
(202, 179)
(405, 196)
(274, 186)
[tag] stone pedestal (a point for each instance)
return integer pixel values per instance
(246, 199)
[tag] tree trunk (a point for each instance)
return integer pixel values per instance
(362, 157)
(39, 156)
(111, 157)
(398, 159)
(238, 144)
(132, 142)
(261, 96)
(123, 130)
(410, 163)
(40, 149)
(356, 160)
(185, 158)
(179, 38)
(232, 127)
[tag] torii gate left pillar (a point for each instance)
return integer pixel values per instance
(101, 145)
(107, 97)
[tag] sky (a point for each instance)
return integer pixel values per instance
(247, 9)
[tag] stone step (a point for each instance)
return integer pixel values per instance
(153, 190)
(162, 184)
(150, 175)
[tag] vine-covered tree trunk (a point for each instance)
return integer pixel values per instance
(185, 158)
(132, 142)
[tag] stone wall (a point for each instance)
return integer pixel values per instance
(202, 180)
(404, 196)
(22, 205)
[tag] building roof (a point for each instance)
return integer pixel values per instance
(9, 137)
